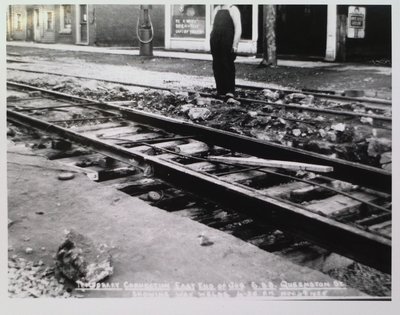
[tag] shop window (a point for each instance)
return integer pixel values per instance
(188, 21)
(66, 19)
(49, 24)
(246, 17)
(19, 22)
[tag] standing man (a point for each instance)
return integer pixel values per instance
(225, 36)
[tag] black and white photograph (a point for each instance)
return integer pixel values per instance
(220, 152)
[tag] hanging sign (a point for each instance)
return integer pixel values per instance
(356, 22)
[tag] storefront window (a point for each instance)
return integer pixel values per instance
(19, 22)
(188, 21)
(65, 18)
(49, 21)
(246, 14)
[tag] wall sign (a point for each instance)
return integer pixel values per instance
(356, 22)
(188, 27)
(188, 21)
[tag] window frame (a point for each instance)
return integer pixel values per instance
(63, 29)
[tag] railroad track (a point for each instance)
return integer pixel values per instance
(348, 211)
(324, 105)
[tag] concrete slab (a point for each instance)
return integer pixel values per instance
(148, 245)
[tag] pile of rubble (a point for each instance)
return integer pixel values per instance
(33, 279)
(357, 139)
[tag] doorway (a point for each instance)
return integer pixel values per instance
(83, 26)
(36, 25)
(301, 30)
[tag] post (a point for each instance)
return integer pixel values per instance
(342, 32)
(331, 38)
(145, 32)
(269, 42)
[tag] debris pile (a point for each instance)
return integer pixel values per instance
(353, 139)
(33, 279)
(79, 259)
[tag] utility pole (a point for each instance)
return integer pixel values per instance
(269, 42)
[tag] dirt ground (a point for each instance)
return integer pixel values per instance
(376, 81)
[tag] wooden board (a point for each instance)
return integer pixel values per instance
(288, 165)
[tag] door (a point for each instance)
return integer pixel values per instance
(83, 37)
(29, 25)
(36, 25)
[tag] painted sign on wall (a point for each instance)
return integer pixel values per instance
(356, 22)
(188, 27)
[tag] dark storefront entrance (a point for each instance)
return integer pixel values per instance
(301, 30)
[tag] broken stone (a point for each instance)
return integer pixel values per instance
(268, 109)
(386, 158)
(232, 101)
(338, 127)
(296, 132)
(28, 250)
(361, 133)
(296, 97)
(79, 259)
(331, 136)
(199, 113)
(10, 222)
(66, 176)
(252, 113)
(204, 240)
(309, 100)
(57, 87)
(382, 133)
(185, 108)
(270, 95)
(377, 146)
(367, 120)
(322, 133)
(202, 101)
(282, 121)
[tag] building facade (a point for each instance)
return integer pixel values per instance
(326, 32)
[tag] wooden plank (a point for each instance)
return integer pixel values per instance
(288, 165)
(139, 137)
(202, 166)
(88, 128)
(241, 176)
(160, 145)
(284, 190)
(339, 204)
(381, 226)
(192, 147)
(112, 132)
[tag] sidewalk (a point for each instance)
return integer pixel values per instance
(196, 68)
(148, 245)
(167, 54)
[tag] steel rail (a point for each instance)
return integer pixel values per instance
(296, 107)
(363, 246)
(363, 175)
(322, 95)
